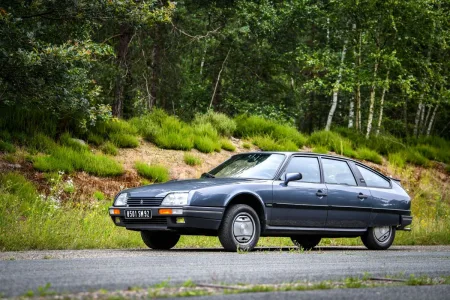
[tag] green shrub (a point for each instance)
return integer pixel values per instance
(221, 122)
(7, 147)
(252, 126)
(246, 145)
(42, 143)
(95, 139)
(206, 130)
(124, 140)
(5, 136)
(99, 196)
(67, 140)
(227, 145)
(191, 159)
(320, 149)
(369, 155)
(266, 143)
(69, 160)
(109, 148)
(447, 169)
(115, 126)
(397, 159)
(146, 126)
(205, 144)
(156, 173)
(414, 157)
(332, 141)
(173, 140)
(433, 153)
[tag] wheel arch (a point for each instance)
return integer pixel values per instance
(252, 200)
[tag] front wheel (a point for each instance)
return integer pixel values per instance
(379, 238)
(160, 240)
(240, 228)
(306, 242)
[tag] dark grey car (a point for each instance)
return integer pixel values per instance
(304, 196)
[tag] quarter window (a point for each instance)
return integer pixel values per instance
(372, 179)
(308, 166)
(337, 172)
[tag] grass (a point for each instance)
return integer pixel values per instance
(156, 173)
(191, 159)
(320, 149)
(67, 159)
(220, 122)
(266, 143)
(369, 155)
(67, 140)
(110, 148)
(332, 141)
(254, 126)
(246, 145)
(227, 145)
(206, 144)
(95, 139)
(124, 140)
(7, 147)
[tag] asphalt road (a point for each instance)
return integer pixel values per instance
(89, 270)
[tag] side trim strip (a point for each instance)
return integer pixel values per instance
(322, 229)
(339, 207)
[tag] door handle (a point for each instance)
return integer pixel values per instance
(362, 196)
(320, 193)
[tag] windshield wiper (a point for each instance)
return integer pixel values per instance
(208, 175)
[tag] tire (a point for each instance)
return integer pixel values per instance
(379, 238)
(160, 240)
(240, 228)
(306, 242)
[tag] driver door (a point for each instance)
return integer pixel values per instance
(301, 203)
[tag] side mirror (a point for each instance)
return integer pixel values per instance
(292, 177)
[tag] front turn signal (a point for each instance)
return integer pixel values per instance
(165, 211)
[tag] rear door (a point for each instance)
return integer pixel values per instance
(301, 203)
(349, 202)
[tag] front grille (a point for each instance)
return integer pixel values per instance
(144, 201)
(152, 221)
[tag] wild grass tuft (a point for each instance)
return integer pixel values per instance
(246, 145)
(7, 147)
(69, 160)
(95, 139)
(124, 140)
(156, 173)
(42, 143)
(369, 155)
(109, 148)
(220, 122)
(67, 140)
(320, 149)
(206, 144)
(397, 159)
(333, 142)
(191, 159)
(252, 126)
(266, 143)
(227, 145)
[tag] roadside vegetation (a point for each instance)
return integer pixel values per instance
(422, 164)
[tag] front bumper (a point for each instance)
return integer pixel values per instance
(192, 217)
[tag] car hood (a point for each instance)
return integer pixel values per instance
(162, 189)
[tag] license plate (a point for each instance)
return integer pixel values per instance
(138, 214)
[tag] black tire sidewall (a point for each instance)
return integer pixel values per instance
(226, 236)
(306, 242)
(160, 240)
(371, 242)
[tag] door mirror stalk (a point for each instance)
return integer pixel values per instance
(292, 177)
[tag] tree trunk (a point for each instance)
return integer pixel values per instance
(419, 112)
(124, 41)
(336, 88)
(372, 101)
(358, 85)
(154, 68)
(351, 113)
(218, 80)
(427, 119)
(202, 63)
(380, 117)
(432, 119)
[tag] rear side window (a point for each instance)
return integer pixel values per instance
(337, 172)
(308, 166)
(372, 179)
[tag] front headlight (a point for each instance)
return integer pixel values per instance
(121, 200)
(175, 199)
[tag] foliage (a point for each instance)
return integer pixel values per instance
(191, 159)
(67, 159)
(222, 123)
(369, 155)
(227, 145)
(246, 145)
(156, 173)
(67, 140)
(320, 149)
(332, 141)
(7, 147)
(266, 143)
(124, 140)
(95, 139)
(109, 148)
(397, 159)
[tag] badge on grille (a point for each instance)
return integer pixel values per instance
(142, 201)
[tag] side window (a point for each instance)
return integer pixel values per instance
(372, 179)
(337, 172)
(308, 166)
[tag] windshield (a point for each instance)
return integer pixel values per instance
(255, 165)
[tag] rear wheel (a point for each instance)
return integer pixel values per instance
(160, 240)
(379, 238)
(240, 228)
(306, 242)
